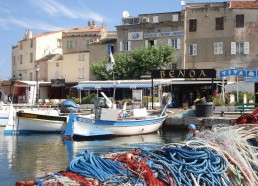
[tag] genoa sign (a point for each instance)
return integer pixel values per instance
(186, 73)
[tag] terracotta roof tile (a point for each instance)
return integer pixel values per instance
(45, 34)
(244, 4)
(86, 29)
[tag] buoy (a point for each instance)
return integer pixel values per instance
(196, 133)
(129, 156)
(20, 183)
(95, 182)
(30, 183)
(243, 121)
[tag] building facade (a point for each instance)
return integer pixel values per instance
(31, 49)
(221, 35)
(151, 30)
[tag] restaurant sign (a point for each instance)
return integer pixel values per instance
(184, 73)
(57, 82)
(164, 34)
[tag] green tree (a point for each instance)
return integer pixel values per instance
(134, 64)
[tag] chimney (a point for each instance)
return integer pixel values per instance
(89, 23)
(28, 34)
(93, 23)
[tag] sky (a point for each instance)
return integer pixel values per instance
(50, 15)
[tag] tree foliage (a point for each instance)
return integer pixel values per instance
(134, 64)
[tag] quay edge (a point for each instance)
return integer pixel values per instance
(177, 120)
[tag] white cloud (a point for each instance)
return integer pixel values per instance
(54, 8)
(26, 23)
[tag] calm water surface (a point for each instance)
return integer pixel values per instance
(27, 157)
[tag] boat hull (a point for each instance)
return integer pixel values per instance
(83, 126)
(37, 123)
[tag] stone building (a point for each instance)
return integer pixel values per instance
(221, 35)
(32, 48)
(151, 30)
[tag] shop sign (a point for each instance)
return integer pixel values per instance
(238, 72)
(185, 73)
(57, 82)
(164, 34)
(135, 36)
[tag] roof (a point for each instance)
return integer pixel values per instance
(44, 34)
(251, 4)
(85, 29)
(104, 41)
(51, 57)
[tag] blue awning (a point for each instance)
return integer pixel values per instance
(98, 86)
(91, 86)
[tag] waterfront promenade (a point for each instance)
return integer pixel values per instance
(179, 118)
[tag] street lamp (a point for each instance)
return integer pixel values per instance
(37, 83)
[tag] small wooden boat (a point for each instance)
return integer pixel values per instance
(33, 121)
(114, 122)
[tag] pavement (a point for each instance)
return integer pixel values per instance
(180, 118)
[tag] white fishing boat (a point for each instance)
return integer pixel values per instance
(113, 121)
(4, 113)
(33, 121)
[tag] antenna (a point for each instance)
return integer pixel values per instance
(125, 13)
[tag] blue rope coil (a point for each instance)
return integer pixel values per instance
(205, 165)
(91, 166)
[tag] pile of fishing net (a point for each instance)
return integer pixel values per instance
(221, 156)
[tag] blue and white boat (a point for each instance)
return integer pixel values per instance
(113, 122)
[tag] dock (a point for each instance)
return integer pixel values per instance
(179, 118)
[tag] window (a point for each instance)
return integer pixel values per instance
(69, 44)
(218, 48)
(31, 76)
(151, 43)
(31, 57)
(59, 43)
(81, 57)
(239, 47)
(20, 59)
(192, 25)
(175, 17)
(111, 48)
(21, 45)
(31, 43)
(57, 64)
(14, 61)
(125, 46)
(219, 23)
(240, 20)
(193, 49)
(155, 19)
(130, 21)
(175, 43)
(174, 66)
(81, 73)
(88, 43)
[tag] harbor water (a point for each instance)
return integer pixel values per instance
(28, 157)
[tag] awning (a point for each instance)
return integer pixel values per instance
(90, 86)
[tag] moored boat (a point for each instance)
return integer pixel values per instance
(49, 121)
(114, 122)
